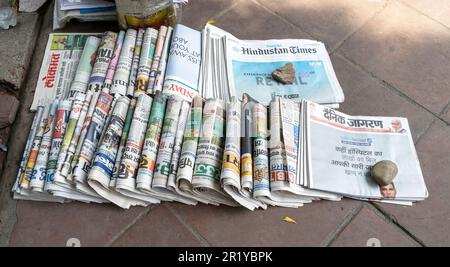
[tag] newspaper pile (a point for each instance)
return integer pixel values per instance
(133, 118)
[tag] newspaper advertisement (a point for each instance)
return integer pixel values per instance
(249, 66)
(183, 66)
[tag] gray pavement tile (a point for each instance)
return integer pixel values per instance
(407, 50)
(329, 21)
(198, 12)
(226, 226)
(365, 95)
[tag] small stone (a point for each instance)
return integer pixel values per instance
(285, 74)
(384, 172)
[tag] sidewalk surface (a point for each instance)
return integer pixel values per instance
(391, 58)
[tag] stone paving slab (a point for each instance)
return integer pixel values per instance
(369, 228)
(407, 50)
(16, 47)
(329, 21)
(52, 224)
(227, 226)
(257, 23)
(159, 228)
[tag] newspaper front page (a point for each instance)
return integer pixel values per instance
(342, 149)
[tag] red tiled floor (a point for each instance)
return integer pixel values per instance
(248, 20)
(438, 10)
(198, 12)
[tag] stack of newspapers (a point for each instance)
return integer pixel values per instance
(143, 116)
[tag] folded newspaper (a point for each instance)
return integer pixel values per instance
(342, 149)
(232, 67)
(144, 116)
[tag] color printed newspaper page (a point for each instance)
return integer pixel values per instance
(251, 63)
(183, 66)
(58, 67)
(341, 150)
